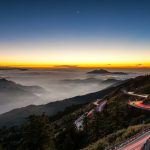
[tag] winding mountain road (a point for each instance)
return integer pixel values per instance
(138, 103)
(136, 143)
(138, 95)
(98, 107)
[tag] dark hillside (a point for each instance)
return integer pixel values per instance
(16, 116)
(115, 123)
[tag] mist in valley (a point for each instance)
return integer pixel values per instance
(41, 86)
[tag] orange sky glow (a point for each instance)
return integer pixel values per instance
(102, 54)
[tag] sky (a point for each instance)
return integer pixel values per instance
(78, 33)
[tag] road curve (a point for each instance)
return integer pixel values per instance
(136, 143)
(138, 95)
(139, 104)
(98, 107)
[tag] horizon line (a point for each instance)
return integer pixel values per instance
(72, 66)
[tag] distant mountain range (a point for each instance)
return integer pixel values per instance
(102, 71)
(16, 116)
(11, 93)
(111, 81)
(9, 68)
(92, 80)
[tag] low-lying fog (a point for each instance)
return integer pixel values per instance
(59, 83)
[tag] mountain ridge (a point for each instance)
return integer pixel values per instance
(50, 108)
(102, 71)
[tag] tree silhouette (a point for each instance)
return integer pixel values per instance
(37, 134)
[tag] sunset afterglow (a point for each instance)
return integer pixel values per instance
(81, 55)
(93, 34)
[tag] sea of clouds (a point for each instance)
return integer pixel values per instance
(61, 83)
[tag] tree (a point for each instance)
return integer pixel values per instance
(95, 130)
(85, 124)
(37, 134)
(1, 148)
(117, 113)
(68, 137)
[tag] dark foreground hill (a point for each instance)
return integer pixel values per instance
(118, 116)
(146, 146)
(116, 123)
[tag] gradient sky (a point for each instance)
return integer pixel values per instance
(106, 33)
